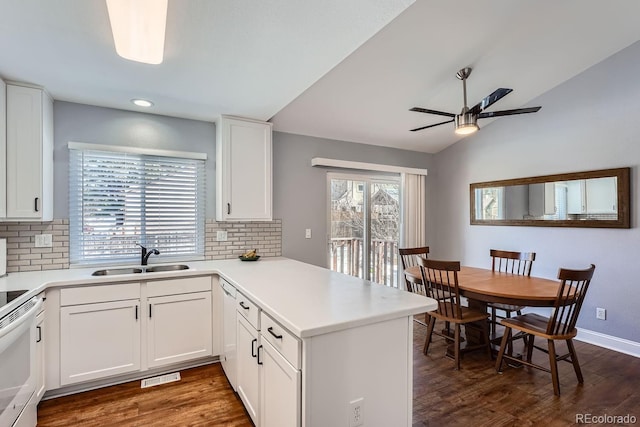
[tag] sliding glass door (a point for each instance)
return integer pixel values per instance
(364, 231)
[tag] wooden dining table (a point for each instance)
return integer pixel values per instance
(481, 286)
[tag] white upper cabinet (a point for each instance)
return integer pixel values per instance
(29, 154)
(592, 196)
(3, 148)
(602, 195)
(243, 170)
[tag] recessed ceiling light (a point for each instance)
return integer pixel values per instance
(142, 103)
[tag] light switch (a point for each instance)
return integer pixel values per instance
(44, 241)
(221, 236)
(307, 233)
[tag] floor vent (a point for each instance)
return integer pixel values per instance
(162, 379)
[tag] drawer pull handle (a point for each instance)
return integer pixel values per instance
(244, 306)
(253, 347)
(136, 312)
(228, 208)
(39, 333)
(36, 204)
(276, 336)
(259, 361)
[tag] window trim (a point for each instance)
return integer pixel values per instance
(72, 145)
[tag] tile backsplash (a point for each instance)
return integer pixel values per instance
(22, 255)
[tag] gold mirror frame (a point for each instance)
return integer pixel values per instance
(623, 200)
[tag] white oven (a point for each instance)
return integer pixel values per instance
(18, 364)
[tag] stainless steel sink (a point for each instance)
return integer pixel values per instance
(115, 271)
(172, 267)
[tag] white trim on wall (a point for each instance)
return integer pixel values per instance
(137, 150)
(347, 164)
(620, 345)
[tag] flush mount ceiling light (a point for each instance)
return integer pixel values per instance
(142, 102)
(138, 28)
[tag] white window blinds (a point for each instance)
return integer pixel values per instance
(118, 199)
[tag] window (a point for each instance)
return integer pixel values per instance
(490, 203)
(120, 198)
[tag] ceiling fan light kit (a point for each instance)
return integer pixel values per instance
(138, 29)
(466, 122)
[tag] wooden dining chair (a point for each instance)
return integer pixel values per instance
(519, 263)
(560, 326)
(410, 257)
(441, 278)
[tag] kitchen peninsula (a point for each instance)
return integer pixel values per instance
(348, 341)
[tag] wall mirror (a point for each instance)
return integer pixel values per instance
(582, 199)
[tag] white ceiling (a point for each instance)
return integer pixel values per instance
(267, 58)
(240, 57)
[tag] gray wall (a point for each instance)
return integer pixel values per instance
(98, 125)
(589, 122)
(300, 190)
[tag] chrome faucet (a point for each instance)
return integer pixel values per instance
(144, 256)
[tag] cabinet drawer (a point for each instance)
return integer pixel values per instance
(283, 341)
(248, 310)
(99, 293)
(178, 286)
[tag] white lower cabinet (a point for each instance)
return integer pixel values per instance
(98, 340)
(178, 328)
(104, 329)
(248, 373)
(228, 358)
(40, 356)
(268, 383)
(280, 387)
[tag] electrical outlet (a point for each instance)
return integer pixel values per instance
(221, 236)
(307, 233)
(44, 241)
(601, 313)
(356, 412)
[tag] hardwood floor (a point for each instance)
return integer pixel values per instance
(476, 395)
(203, 397)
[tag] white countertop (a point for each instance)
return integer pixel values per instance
(306, 299)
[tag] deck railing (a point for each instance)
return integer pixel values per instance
(347, 257)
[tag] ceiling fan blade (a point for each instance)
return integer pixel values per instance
(439, 113)
(507, 112)
(487, 101)
(430, 126)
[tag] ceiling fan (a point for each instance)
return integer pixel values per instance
(466, 121)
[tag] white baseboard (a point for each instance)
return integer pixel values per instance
(620, 345)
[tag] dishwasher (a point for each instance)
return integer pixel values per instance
(228, 359)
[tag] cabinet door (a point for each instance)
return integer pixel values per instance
(40, 358)
(178, 328)
(229, 358)
(25, 129)
(576, 197)
(99, 340)
(248, 373)
(280, 389)
(3, 148)
(602, 195)
(245, 156)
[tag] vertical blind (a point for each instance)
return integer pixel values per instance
(118, 199)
